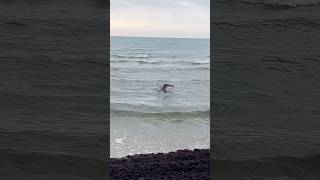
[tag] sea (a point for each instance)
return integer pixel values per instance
(53, 89)
(265, 89)
(144, 119)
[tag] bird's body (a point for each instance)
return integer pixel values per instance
(165, 86)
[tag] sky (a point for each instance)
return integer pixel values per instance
(160, 18)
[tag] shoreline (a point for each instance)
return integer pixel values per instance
(181, 164)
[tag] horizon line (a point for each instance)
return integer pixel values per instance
(161, 37)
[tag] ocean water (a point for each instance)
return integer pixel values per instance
(53, 84)
(146, 120)
(266, 89)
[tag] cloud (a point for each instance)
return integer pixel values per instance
(163, 18)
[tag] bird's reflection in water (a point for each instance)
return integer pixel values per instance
(165, 98)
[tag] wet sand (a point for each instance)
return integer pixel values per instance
(182, 164)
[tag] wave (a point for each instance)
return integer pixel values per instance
(162, 68)
(45, 165)
(15, 23)
(136, 56)
(284, 168)
(149, 62)
(152, 81)
(274, 23)
(163, 62)
(281, 4)
(139, 61)
(175, 116)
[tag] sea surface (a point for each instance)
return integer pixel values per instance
(147, 120)
(265, 89)
(53, 89)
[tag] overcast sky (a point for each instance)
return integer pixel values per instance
(160, 18)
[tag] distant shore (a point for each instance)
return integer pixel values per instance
(182, 164)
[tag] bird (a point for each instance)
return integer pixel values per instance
(165, 86)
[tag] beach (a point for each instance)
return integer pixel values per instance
(182, 164)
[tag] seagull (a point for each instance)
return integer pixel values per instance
(165, 86)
